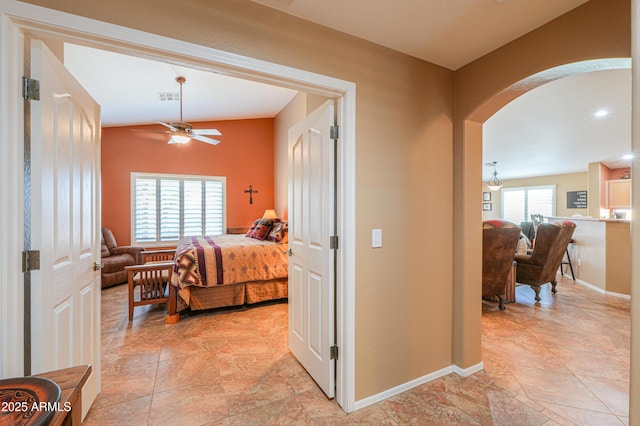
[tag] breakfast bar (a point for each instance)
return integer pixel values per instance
(601, 254)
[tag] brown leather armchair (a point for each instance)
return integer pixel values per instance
(114, 259)
(499, 243)
(540, 267)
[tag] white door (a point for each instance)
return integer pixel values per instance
(65, 292)
(311, 265)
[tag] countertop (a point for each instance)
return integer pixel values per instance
(586, 218)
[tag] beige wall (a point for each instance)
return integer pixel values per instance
(564, 183)
(595, 196)
(404, 119)
(597, 29)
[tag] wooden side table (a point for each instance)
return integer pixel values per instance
(71, 380)
(151, 279)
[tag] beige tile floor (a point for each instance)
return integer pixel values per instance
(564, 361)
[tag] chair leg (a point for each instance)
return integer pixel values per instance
(553, 287)
(536, 289)
(501, 306)
(130, 285)
(570, 265)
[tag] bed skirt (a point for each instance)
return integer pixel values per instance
(198, 298)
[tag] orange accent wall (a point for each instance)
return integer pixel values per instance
(245, 156)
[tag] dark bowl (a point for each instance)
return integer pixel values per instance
(28, 401)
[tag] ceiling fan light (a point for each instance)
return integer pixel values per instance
(181, 139)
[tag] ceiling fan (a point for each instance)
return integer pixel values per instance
(182, 132)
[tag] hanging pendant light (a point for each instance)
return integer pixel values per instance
(494, 183)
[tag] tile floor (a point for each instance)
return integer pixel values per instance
(562, 362)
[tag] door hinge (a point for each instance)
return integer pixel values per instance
(334, 352)
(30, 260)
(30, 89)
(333, 242)
(334, 132)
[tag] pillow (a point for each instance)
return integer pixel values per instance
(260, 228)
(522, 246)
(252, 228)
(278, 233)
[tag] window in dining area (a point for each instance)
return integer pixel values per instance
(518, 204)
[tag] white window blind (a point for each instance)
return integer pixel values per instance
(167, 208)
(518, 204)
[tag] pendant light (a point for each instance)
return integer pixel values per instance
(494, 183)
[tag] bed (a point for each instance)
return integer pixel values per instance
(230, 269)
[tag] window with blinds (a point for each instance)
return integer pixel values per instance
(167, 208)
(518, 204)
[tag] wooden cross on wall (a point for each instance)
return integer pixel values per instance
(251, 191)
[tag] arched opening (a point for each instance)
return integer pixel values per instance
(472, 135)
(598, 29)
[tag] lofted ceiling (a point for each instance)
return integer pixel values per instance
(553, 129)
(549, 130)
(128, 90)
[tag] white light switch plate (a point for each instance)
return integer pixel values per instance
(376, 238)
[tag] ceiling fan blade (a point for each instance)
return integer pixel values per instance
(151, 131)
(214, 132)
(150, 135)
(205, 139)
(165, 124)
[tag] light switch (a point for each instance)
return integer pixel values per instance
(376, 238)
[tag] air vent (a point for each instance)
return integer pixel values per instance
(169, 96)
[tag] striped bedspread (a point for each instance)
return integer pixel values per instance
(227, 259)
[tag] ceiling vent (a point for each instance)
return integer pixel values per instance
(169, 96)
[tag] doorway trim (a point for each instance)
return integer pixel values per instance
(17, 19)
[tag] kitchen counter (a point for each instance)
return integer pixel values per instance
(585, 218)
(601, 256)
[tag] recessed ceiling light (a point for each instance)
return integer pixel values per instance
(627, 157)
(601, 113)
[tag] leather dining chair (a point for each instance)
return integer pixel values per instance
(540, 267)
(499, 243)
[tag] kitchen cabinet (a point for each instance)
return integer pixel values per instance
(619, 194)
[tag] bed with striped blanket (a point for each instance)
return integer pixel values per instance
(228, 270)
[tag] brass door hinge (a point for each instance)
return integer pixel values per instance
(30, 89)
(30, 260)
(334, 352)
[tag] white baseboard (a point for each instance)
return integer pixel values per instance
(602, 291)
(417, 382)
(466, 372)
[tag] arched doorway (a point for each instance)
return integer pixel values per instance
(598, 29)
(503, 334)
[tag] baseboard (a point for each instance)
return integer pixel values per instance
(466, 372)
(602, 291)
(417, 382)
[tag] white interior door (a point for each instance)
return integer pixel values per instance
(311, 265)
(65, 292)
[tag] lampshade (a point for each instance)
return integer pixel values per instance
(494, 183)
(270, 214)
